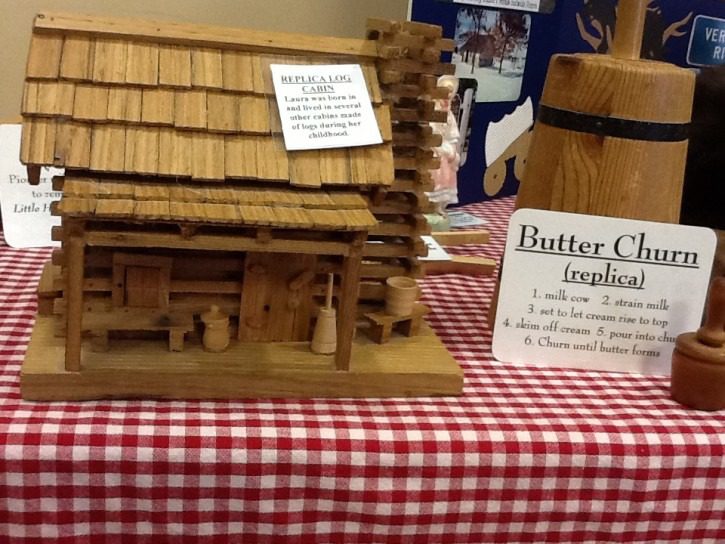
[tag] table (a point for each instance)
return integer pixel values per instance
(526, 454)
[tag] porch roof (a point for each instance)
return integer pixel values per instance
(90, 198)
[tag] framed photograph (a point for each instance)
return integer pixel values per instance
(491, 47)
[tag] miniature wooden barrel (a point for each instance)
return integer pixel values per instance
(216, 329)
(610, 138)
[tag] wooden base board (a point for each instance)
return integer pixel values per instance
(459, 237)
(461, 264)
(404, 367)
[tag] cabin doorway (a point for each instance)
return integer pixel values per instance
(276, 301)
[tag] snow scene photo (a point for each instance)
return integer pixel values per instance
(491, 46)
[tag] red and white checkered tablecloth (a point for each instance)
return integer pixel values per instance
(527, 454)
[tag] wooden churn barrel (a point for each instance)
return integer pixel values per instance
(611, 134)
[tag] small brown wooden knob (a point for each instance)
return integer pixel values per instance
(698, 361)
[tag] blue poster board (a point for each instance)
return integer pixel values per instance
(690, 34)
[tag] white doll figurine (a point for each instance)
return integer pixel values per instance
(445, 178)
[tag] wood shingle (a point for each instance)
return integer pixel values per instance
(92, 198)
(192, 96)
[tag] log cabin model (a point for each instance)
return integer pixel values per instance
(181, 207)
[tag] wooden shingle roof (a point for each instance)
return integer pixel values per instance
(181, 101)
(107, 199)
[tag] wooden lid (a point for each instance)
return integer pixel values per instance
(214, 316)
(643, 90)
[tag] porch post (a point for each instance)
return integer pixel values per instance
(74, 297)
(347, 306)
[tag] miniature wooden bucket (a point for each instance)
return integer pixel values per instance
(401, 292)
(611, 133)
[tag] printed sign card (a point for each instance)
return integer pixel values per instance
(707, 42)
(324, 106)
(543, 6)
(599, 293)
(435, 250)
(25, 208)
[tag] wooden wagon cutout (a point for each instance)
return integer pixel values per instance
(179, 194)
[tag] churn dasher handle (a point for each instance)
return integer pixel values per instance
(712, 332)
(629, 30)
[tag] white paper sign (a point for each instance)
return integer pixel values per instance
(324, 106)
(25, 208)
(599, 293)
(524, 5)
(435, 250)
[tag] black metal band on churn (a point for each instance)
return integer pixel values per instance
(612, 126)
